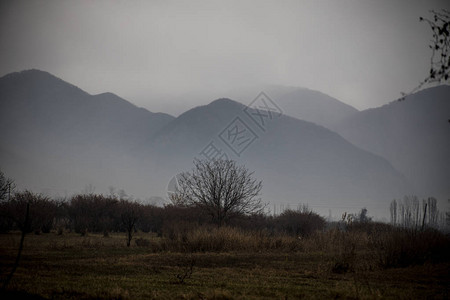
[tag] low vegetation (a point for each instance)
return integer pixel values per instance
(107, 247)
(177, 253)
(228, 263)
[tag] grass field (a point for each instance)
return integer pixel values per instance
(70, 266)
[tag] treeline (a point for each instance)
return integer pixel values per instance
(350, 243)
(96, 213)
(410, 212)
(191, 229)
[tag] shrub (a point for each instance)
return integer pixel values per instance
(42, 213)
(299, 223)
(402, 248)
(93, 213)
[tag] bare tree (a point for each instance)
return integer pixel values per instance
(6, 187)
(432, 214)
(440, 49)
(222, 188)
(129, 214)
(393, 210)
(447, 218)
(92, 213)
(19, 212)
(408, 213)
(362, 216)
(440, 45)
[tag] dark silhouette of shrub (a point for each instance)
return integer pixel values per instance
(299, 223)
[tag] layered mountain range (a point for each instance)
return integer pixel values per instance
(307, 147)
(413, 134)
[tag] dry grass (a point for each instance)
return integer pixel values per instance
(225, 239)
(223, 263)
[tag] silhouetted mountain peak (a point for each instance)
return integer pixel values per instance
(36, 105)
(35, 76)
(37, 85)
(28, 74)
(222, 102)
(107, 95)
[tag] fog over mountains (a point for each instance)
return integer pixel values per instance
(301, 103)
(414, 135)
(57, 139)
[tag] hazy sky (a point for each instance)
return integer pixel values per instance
(362, 52)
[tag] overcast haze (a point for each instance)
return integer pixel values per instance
(362, 52)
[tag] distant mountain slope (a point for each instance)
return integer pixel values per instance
(60, 138)
(301, 103)
(58, 128)
(298, 161)
(37, 102)
(414, 135)
(315, 107)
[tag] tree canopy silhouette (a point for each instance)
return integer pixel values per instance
(6, 186)
(440, 46)
(440, 49)
(221, 188)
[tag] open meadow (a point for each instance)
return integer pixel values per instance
(223, 263)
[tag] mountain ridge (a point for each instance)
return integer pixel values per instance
(56, 128)
(326, 166)
(412, 134)
(52, 127)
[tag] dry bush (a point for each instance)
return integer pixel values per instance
(373, 245)
(370, 228)
(345, 250)
(299, 223)
(185, 269)
(177, 221)
(178, 231)
(253, 222)
(377, 245)
(93, 213)
(221, 239)
(232, 239)
(42, 213)
(224, 239)
(402, 248)
(334, 240)
(151, 219)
